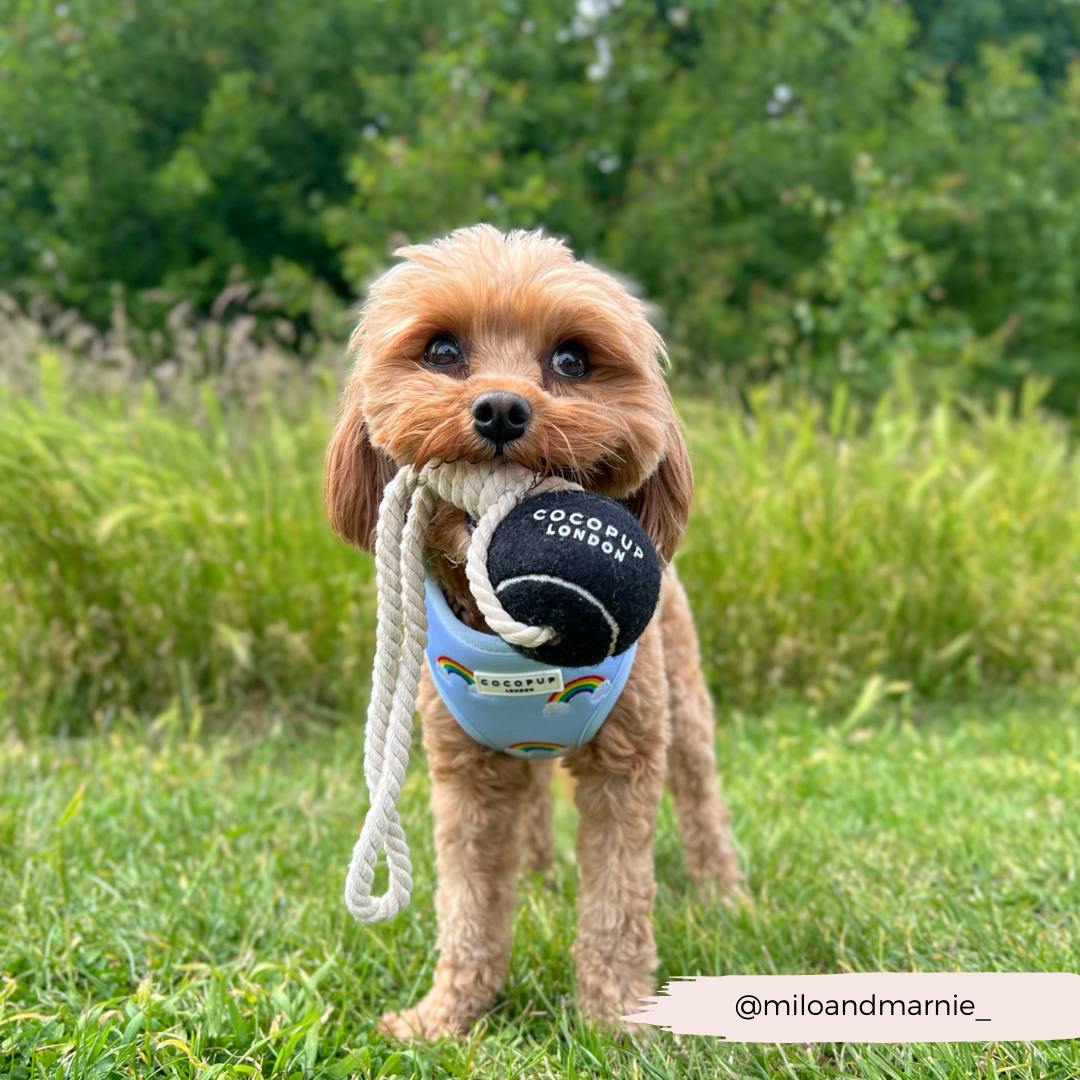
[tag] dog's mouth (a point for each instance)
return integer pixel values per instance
(586, 478)
(546, 451)
(540, 466)
(543, 470)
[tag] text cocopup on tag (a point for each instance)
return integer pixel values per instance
(509, 684)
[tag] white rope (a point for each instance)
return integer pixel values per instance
(487, 493)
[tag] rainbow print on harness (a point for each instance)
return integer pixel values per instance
(586, 684)
(452, 667)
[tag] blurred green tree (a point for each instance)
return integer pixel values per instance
(828, 188)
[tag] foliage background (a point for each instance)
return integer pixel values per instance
(821, 188)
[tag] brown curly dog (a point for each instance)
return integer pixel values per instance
(516, 314)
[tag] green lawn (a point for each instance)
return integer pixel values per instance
(172, 905)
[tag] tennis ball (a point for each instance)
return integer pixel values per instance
(581, 564)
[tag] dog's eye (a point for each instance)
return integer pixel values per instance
(442, 352)
(569, 360)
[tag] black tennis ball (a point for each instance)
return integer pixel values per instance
(580, 563)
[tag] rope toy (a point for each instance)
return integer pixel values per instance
(487, 492)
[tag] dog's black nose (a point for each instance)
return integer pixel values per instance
(500, 417)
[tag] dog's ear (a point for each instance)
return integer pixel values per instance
(356, 473)
(662, 503)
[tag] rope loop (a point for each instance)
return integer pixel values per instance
(487, 492)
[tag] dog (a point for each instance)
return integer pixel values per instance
(482, 344)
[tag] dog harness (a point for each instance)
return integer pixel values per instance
(508, 702)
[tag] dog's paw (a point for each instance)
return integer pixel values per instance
(409, 1024)
(725, 888)
(429, 1021)
(625, 1031)
(716, 876)
(604, 1001)
(736, 899)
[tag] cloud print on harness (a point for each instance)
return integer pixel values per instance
(582, 564)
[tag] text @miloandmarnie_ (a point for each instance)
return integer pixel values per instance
(871, 1007)
(750, 1005)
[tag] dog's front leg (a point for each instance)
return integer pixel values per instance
(476, 797)
(620, 777)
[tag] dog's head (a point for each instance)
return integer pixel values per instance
(483, 344)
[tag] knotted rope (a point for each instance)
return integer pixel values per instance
(487, 492)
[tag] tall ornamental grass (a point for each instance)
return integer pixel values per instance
(153, 562)
(909, 550)
(158, 562)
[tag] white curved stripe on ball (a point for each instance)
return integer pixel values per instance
(547, 579)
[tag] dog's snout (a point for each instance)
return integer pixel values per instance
(500, 417)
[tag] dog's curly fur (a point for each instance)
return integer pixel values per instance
(510, 300)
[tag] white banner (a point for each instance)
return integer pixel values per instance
(872, 1007)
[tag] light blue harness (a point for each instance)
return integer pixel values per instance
(510, 703)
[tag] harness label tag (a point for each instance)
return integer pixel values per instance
(507, 684)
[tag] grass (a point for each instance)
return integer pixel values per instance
(937, 547)
(150, 560)
(171, 905)
(153, 559)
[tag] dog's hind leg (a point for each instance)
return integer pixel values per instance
(537, 817)
(703, 818)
